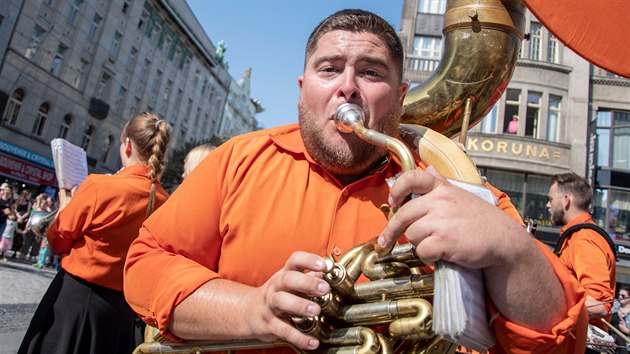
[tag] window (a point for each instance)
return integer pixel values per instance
(64, 129)
(35, 43)
(12, 113)
(168, 43)
(120, 99)
(553, 54)
(96, 22)
(489, 122)
(40, 119)
(126, 6)
(143, 18)
(432, 6)
(612, 210)
(136, 105)
(74, 10)
(167, 90)
(604, 123)
(536, 197)
(553, 117)
(79, 79)
(427, 47)
(426, 53)
(621, 140)
(131, 59)
(87, 138)
(535, 41)
(512, 102)
(154, 36)
(196, 78)
(107, 146)
(113, 49)
(102, 88)
(156, 82)
(509, 182)
(144, 72)
(533, 114)
(57, 62)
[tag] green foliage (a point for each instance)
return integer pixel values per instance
(172, 175)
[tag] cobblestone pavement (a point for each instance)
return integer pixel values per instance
(21, 288)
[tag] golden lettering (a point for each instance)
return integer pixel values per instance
(502, 146)
(544, 154)
(519, 150)
(531, 150)
(556, 154)
(472, 144)
(487, 145)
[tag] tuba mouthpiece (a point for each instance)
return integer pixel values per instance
(348, 115)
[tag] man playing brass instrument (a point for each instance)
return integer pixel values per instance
(234, 251)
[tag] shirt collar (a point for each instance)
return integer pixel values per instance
(582, 218)
(139, 170)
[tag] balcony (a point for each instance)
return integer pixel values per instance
(418, 69)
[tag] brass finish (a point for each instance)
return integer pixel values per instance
(40, 221)
(480, 53)
(481, 44)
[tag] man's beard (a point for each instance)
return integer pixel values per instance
(349, 159)
(557, 217)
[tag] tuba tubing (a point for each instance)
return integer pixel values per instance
(481, 45)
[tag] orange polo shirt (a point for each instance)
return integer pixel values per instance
(249, 205)
(589, 258)
(96, 228)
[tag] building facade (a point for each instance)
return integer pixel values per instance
(79, 69)
(239, 115)
(570, 116)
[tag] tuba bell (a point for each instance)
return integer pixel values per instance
(40, 221)
(481, 46)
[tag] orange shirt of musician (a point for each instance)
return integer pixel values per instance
(96, 228)
(589, 258)
(253, 202)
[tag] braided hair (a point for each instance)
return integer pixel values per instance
(151, 136)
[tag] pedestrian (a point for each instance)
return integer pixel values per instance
(43, 254)
(84, 309)
(8, 234)
(238, 249)
(195, 156)
(584, 249)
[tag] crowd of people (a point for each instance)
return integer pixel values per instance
(19, 242)
(238, 248)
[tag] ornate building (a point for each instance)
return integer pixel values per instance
(78, 69)
(571, 116)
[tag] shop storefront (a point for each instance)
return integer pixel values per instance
(18, 164)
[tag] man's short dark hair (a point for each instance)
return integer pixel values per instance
(358, 21)
(575, 185)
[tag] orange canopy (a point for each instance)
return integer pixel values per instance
(597, 30)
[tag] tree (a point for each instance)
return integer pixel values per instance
(172, 175)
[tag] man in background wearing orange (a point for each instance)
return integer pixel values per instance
(586, 253)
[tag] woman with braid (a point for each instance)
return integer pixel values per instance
(84, 309)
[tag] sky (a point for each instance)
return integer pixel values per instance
(269, 37)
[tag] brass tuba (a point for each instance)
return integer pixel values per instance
(481, 46)
(40, 221)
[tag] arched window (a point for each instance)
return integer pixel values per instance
(107, 147)
(64, 129)
(40, 120)
(87, 138)
(12, 113)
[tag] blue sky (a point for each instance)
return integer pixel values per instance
(269, 36)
